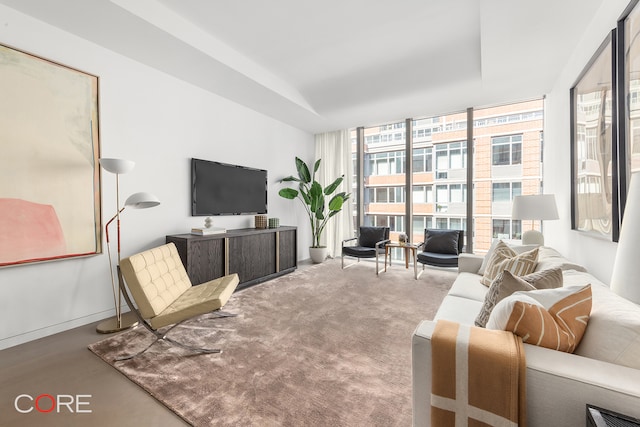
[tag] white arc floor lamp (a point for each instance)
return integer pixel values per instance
(536, 207)
(137, 201)
(624, 279)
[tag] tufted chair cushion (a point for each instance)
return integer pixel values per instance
(163, 292)
(156, 278)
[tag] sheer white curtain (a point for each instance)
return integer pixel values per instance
(334, 148)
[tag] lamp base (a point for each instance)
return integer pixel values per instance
(127, 320)
(532, 237)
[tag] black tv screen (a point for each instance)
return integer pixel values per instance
(223, 189)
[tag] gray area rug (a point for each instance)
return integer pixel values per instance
(321, 346)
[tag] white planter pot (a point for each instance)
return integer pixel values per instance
(318, 255)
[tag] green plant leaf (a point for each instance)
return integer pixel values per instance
(335, 204)
(316, 196)
(316, 166)
(288, 193)
(305, 194)
(303, 171)
(289, 179)
(332, 187)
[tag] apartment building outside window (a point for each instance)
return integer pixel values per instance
(507, 161)
(506, 150)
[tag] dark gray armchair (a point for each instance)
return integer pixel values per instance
(370, 243)
(441, 247)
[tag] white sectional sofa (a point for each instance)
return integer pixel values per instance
(604, 370)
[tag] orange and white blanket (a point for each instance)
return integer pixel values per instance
(478, 377)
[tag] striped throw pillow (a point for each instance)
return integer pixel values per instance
(551, 318)
(504, 258)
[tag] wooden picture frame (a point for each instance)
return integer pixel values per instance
(594, 149)
(49, 172)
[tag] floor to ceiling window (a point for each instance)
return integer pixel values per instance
(507, 162)
(384, 169)
(439, 174)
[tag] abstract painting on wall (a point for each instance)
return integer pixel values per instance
(49, 174)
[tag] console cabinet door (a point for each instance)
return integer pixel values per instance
(252, 256)
(288, 249)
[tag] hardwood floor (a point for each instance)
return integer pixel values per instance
(61, 364)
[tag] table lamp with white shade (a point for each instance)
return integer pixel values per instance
(536, 207)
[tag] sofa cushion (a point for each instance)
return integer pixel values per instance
(552, 318)
(516, 248)
(468, 286)
(441, 241)
(506, 284)
(505, 258)
(457, 309)
(550, 258)
(613, 334)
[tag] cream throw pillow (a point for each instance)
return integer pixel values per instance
(506, 284)
(551, 318)
(505, 258)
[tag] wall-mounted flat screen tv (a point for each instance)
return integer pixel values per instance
(224, 189)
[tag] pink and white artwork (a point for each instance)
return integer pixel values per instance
(49, 150)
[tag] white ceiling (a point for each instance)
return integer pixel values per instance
(332, 64)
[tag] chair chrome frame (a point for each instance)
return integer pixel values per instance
(379, 246)
(163, 335)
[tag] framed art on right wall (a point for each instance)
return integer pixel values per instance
(629, 97)
(594, 169)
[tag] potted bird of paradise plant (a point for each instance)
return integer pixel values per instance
(314, 198)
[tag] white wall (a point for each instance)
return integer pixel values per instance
(160, 122)
(594, 253)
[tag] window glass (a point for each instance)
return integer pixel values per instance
(507, 162)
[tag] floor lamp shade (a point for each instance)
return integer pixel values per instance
(118, 166)
(142, 200)
(626, 268)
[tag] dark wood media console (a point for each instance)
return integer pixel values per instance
(255, 254)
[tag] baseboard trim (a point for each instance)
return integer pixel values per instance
(57, 328)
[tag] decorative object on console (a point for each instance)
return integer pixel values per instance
(274, 222)
(551, 318)
(624, 279)
(536, 207)
(208, 229)
(505, 258)
(137, 201)
(312, 196)
(260, 221)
